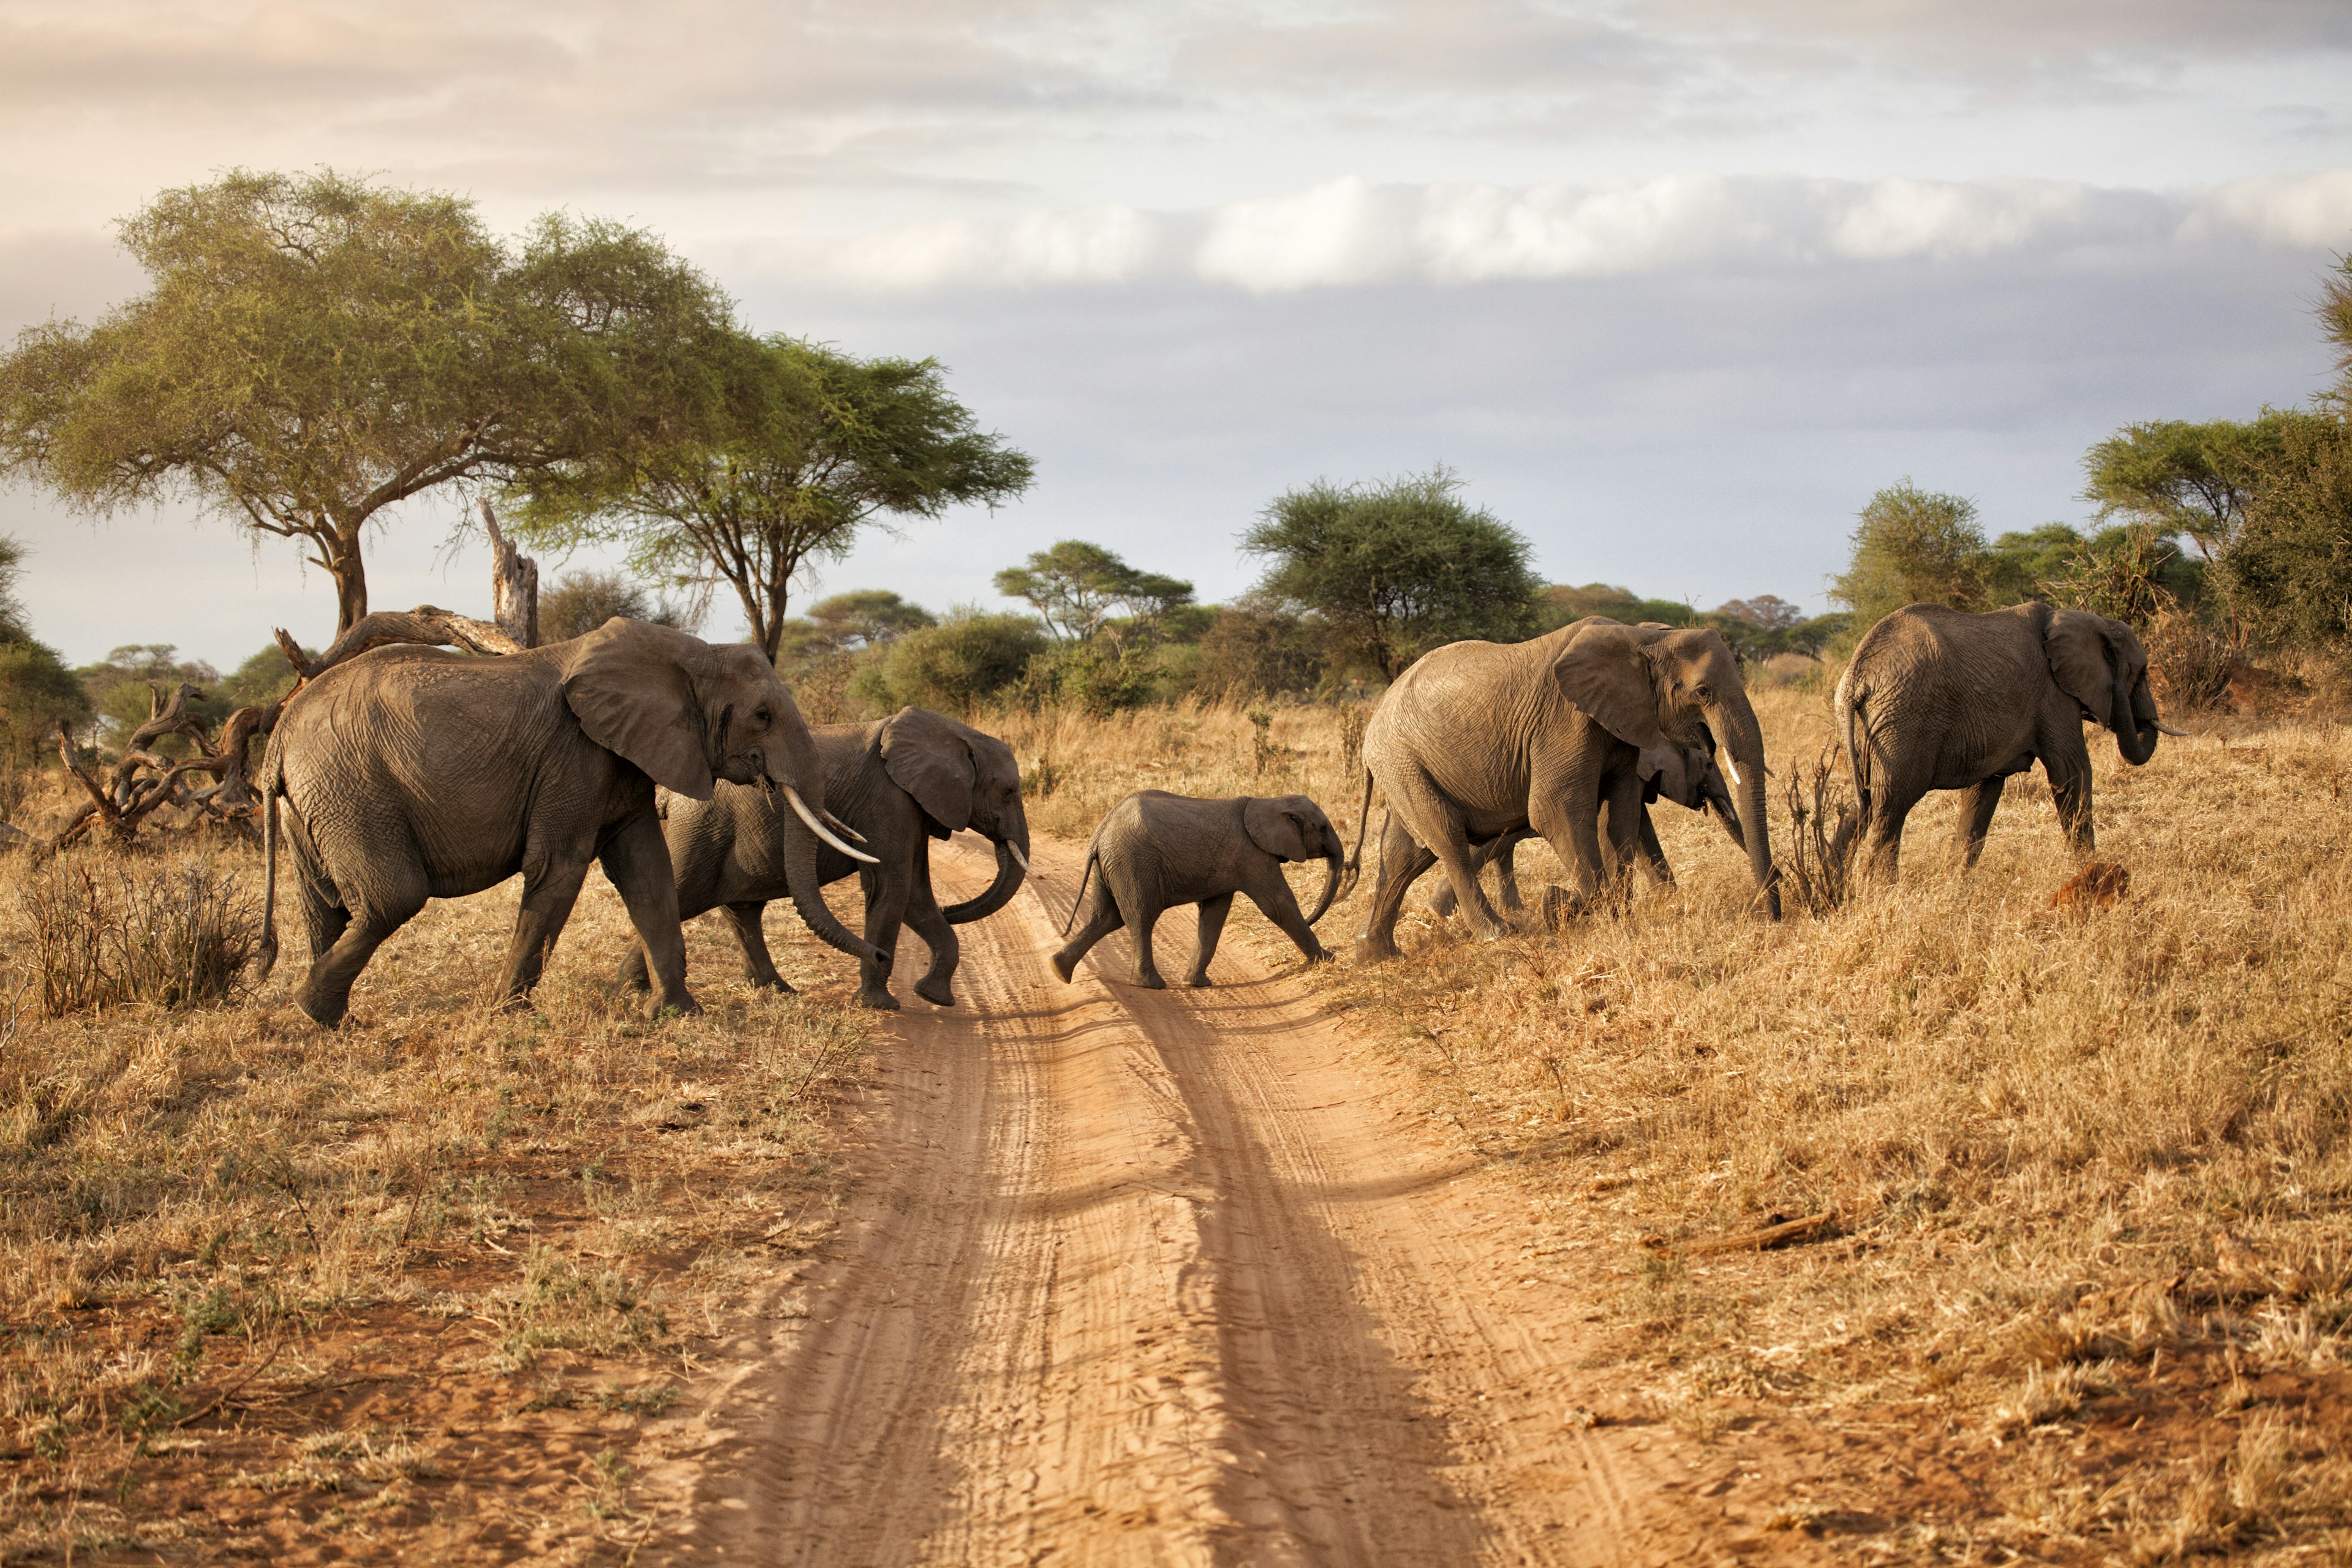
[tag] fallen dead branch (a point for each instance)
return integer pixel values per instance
(142, 781)
(1746, 1240)
(426, 624)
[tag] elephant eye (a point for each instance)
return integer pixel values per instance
(1703, 692)
(762, 715)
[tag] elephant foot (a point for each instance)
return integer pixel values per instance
(680, 1006)
(937, 993)
(1375, 950)
(1151, 983)
(1440, 903)
(1065, 965)
(1199, 981)
(775, 982)
(327, 1012)
(1317, 954)
(879, 1000)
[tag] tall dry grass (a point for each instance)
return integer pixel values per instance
(215, 1219)
(2048, 1139)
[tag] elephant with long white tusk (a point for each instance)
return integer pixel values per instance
(898, 784)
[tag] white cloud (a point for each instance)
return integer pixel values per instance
(1351, 232)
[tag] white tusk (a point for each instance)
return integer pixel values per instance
(1021, 860)
(2164, 729)
(845, 829)
(818, 829)
(1732, 768)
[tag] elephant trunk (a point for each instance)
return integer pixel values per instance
(1335, 862)
(1735, 721)
(2136, 732)
(799, 873)
(1009, 877)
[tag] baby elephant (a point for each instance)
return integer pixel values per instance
(1156, 849)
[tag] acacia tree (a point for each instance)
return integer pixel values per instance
(2178, 477)
(1075, 586)
(1397, 568)
(810, 448)
(1914, 546)
(315, 349)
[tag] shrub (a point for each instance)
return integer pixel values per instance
(1254, 648)
(2188, 661)
(955, 666)
(177, 936)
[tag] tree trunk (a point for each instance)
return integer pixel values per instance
(514, 585)
(351, 582)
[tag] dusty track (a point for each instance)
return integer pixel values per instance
(1167, 1277)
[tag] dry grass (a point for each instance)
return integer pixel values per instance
(271, 1290)
(2088, 1165)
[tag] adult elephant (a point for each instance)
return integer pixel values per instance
(1939, 698)
(1478, 740)
(414, 773)
(899, 782)
(1688, 778)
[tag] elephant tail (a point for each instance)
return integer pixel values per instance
(265, 950)
(1355, 862)
(1854, 731)
(1080, 897)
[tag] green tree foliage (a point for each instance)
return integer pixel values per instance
(1915, 546)
(956, 665)
(263, 678)
(36, 690)
(1076, 587)
(579, 602)
(2175, 477)
(1394, 569)
(314, 349)
(1767, 625)
(866, 618)
(2289, 575)
(812, 447)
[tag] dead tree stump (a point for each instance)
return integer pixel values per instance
(514, 585)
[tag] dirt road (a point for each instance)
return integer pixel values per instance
(1169, 1278)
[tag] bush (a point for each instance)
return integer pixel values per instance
(2289, 575)
(579, 601)
(2188, 661)
(955, 666)
(1253, 647)
(1098, 676)
(103, 934)
(1914, 546)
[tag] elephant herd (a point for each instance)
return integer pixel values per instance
(687, 773)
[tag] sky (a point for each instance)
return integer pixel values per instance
(1672, 287)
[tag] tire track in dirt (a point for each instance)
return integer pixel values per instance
(1159, 1277)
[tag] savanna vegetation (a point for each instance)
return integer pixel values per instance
(2060, 1162)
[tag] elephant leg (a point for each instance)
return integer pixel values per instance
(1403, 858)
(1147, 964)
(930, 922)
(633, 974)
(1890, 806)
(1213, 926)
(1435, 822)
(1096, 920)
(748, 921)
(1651, 854)
(636, 862)
(885, 909)
(386, 905)
(1275, 899)
(2070, 790)
(1977, 804)
(1506, 871)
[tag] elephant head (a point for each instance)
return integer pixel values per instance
(1292, 828)
(688, 714)
(1655, 687)
(1688, 776)
(962, 779)
(2101, 664)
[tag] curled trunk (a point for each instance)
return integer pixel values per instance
(1000, 892)
(1335, 860)
(800, 872)
(2134, 726)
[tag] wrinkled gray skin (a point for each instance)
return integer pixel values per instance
(1688, 778)
(901, 782)
(1479, 740)
(414, 773)
(1156, 850)
(1939, 698)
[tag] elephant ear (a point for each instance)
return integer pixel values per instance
(631, 686)
(925, 755)
(1667, 768)
(2076, 645)
(1605, 671)
(1274, 828)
